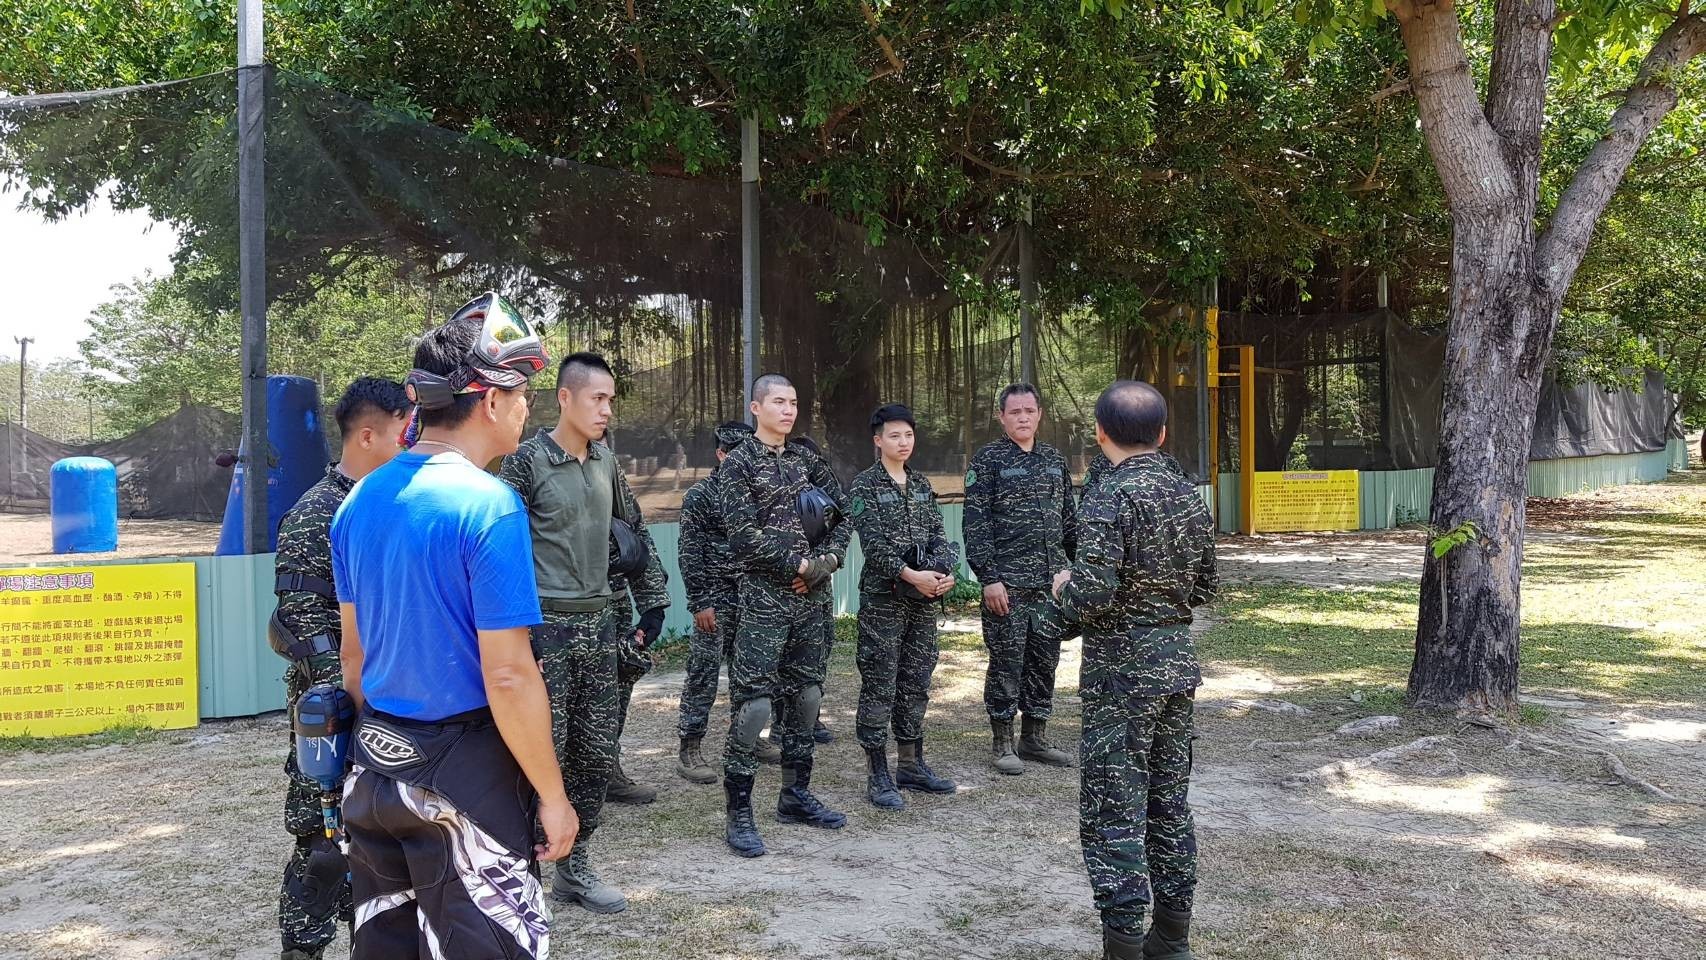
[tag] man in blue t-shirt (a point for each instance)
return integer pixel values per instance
(434, 572)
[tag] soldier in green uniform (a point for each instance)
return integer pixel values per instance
(908, 566)
(306, 631)
(780, 501)
(713, 588)
(1019, 523)
(572, 488)
(1145, 558)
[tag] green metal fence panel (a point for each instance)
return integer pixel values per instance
(1677, 450)
(1391, 498)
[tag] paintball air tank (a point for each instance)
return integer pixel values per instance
(325, 719)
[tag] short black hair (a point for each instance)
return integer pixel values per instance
(368, 395)
(576, 367)
(1013, 390)
(889, 413)
(771, 381)
(442, 350)
(1132, 413)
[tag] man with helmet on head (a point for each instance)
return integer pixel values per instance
(305, 630)
(434, 575)
(574, 494)
(781, 503)
(909, 564)
(712, 582)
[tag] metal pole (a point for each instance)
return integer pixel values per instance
(1210, 405)
(749, 308)
(23, 367)
(1027, 297)
(251, 269)
(1247, 438)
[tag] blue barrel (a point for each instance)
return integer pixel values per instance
(84, 505)
(299, 459)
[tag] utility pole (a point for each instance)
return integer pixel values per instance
(750, 322)
(23, 368)
(252, 267)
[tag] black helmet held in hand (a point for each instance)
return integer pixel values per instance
(628, 551)
(916, 558)
(818, 515)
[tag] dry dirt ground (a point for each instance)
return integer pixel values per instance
(1475, 844)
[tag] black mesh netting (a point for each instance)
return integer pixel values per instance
(1361, 391)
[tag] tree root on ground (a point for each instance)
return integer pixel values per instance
(1343, 768)
(1613, 765)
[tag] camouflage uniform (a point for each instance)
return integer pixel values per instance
(712, 583)
(1019, 525)
(1145, 557)
(897, 635)
(780, 640)
(305, 550)
(578, 649)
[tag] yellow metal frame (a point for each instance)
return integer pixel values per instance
(1246, 377)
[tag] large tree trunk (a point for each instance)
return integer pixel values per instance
(1471, 612)
(1508, 281)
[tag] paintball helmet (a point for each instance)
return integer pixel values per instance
(505, 355)
(628, 551)
(916, 558)
(818, 515)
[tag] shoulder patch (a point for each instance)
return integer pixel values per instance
(857, 507)
(971, 477)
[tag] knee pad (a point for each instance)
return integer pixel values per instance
(809, 699)
(750, 718)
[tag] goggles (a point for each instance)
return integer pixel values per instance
(506, 354)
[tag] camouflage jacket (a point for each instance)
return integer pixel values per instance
(650, 589)
(1145, 558)
(707, 564)
(891, 520)
(305, 548)
(757, 494)
(1020, 517)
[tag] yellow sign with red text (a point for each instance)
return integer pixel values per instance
(87, 648)
(1308, 500)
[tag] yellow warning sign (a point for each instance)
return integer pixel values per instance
(1308, 500)
(86, 648)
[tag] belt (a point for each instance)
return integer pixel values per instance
(561, 605)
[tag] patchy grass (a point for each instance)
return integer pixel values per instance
(122, 734)
(1610, 608)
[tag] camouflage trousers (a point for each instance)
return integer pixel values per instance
(707, 652)
(578, 659)
(299, 924)
(1024, 652)
(897, 656)
(632, 663)
(1134, 816)
(777, 672)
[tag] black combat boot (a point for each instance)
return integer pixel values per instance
(1034, 745)
(879, 786)
(1118, 944)
(1004, 759)
(914, 774)
(821, 733)
(740, 830)
(1169, 935)
(798, 805)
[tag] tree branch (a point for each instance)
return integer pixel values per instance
(1516, 89)
(1467, 151)
(1561, 247)
(882, 41)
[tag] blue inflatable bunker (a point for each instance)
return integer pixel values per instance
(83, 505)
(299, 459)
